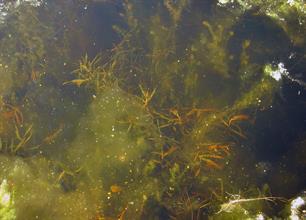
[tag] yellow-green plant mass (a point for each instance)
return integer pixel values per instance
(155, 114)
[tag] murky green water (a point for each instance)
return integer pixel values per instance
(164, 109)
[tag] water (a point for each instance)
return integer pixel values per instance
(162, 109)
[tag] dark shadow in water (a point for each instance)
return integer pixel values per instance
(278, 128)
(268, 41)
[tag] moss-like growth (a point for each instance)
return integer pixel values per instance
(113, 141)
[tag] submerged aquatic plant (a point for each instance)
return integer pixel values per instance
(16, 134)
(146, 96)
(210, 156)
(10, 147)
(167, 142)
(91, 73)
(190, 206)
(176, 8)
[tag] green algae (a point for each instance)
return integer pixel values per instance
(118, 135)
(35, 193)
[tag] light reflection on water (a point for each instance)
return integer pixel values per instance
(7, 6)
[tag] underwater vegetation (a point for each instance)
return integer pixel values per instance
(182, 109)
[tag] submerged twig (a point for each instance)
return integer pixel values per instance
(230, 206)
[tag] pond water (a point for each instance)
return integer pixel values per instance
(164, 109)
